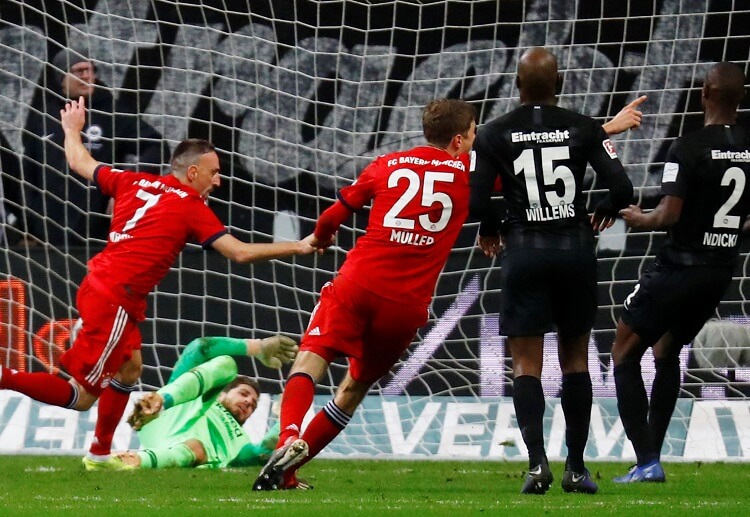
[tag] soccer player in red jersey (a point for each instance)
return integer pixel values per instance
(373, 308)
(153, 219)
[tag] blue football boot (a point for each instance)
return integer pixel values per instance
(651, 472)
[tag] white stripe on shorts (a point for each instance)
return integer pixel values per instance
(121, 318)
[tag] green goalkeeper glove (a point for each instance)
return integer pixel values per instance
(276, 350)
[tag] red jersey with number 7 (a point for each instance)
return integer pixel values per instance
(153, 219)
(420, 201)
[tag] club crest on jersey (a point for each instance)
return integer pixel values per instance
(610, 148)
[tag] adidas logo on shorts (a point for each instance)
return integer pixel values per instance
(315, 331)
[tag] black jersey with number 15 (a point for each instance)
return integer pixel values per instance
(541, 153)
(710, 171)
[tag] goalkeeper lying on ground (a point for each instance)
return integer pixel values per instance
(196, 419)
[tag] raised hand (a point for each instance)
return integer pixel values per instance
(628, 117)
(73, 116)
(277, 350)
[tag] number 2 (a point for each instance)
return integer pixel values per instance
(150, 199)
(722, 219)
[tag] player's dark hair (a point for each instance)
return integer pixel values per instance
(443, 119)
(188, 152)
(726, 82)
(242, 380)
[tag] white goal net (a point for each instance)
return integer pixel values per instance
(298, 96)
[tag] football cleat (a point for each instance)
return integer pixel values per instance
(651, 472)
(294, 483)
(272, 475)
(580, 482)
(538, 480)
(113, 463)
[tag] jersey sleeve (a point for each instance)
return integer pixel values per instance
(603, 159)
(206, 226)
(330, 220)
(109, 180)
(361, 192)
(254, 454)
(674, 176)
(207, 377)
(350, 199)
(203, 349)
(484, 178)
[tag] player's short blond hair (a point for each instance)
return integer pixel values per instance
(442, 119)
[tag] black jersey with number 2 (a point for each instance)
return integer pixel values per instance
(710, 171)
(541, 153)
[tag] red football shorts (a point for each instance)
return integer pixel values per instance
(104, 343)
(370, 330)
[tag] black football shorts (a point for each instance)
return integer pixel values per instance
(547, 289)
(675, 299)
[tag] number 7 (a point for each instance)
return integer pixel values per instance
(150, 199)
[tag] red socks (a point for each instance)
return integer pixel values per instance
(44, 387)
(111, 407)
(296, 401)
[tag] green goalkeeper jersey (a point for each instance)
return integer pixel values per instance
(192, 410)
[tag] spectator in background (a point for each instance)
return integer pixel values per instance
(10, 194)
(61, 208)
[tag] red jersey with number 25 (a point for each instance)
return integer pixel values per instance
(154, 217)
(420, 200)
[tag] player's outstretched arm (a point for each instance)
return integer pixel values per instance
(73, 117)
(666, 214)
(628, 117)
(238, 251)
(216, 373)
(254, 454)
(273, 351)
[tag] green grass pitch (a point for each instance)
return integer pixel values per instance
(53, 485)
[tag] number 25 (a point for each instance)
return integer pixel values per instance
(429, 197)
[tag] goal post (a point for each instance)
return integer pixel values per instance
(299, 96)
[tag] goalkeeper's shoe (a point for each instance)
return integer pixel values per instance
(580, 482)
(651, 472)
(538, 480)
(113, 463)
(272, 475)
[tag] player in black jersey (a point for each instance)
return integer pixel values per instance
(706, 189)
(548, 276)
